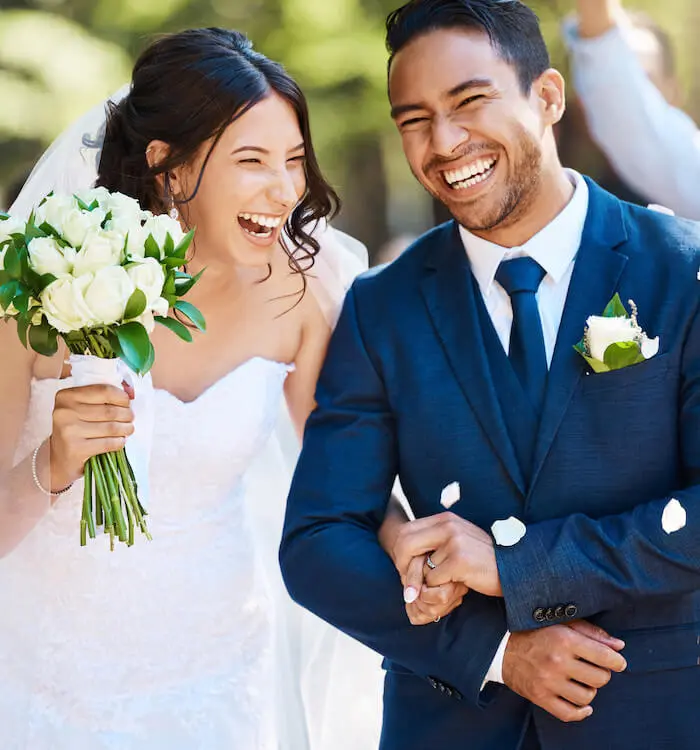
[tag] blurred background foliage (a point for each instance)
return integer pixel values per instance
(58, 58)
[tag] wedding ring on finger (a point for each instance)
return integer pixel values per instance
(437, 619)
(429, 562)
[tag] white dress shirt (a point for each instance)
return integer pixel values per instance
(653, 146)
(555, 248)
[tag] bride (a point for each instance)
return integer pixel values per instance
(186, 642)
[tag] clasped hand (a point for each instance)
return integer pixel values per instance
(559, 668)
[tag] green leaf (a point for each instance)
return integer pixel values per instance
(150, 359)
(21, 301)
(191, 312)
(136, 305)
(4, 277)
(84, 206)
(169, 286)
(22, 329)
(176, 327)
(152, 249)
(8, 292)
(135, 346)
(13, 262)
(174, 262)
(184, 245)
(169, 246)
(615, 308)
(32, 231)
(596, 365)
(43, 339)
(624, 354)
(184, 282)
(4, 216)
(46, 280)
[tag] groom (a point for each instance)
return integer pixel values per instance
(457, 364)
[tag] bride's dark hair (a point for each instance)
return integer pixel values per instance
(186, 89)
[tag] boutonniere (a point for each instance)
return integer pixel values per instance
(615, 339)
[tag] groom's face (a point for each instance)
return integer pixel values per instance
(471, 137)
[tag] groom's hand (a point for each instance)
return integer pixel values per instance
(561, 668)
(460, 552)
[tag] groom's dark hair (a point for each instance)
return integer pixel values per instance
(512, 27)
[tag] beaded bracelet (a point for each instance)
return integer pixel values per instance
(35, 476)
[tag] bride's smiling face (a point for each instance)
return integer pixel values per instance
(251, 183)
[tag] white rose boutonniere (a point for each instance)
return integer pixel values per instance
(615, 339)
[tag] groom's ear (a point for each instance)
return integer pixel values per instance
(550, 93)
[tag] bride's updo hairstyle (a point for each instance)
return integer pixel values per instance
(187, 88)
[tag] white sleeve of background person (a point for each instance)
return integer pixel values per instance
(653, 146)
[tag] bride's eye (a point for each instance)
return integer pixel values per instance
(250, 161)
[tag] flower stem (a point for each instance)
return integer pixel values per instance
(114, 495)
(88, 523)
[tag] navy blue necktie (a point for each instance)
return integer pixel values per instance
(521, 278)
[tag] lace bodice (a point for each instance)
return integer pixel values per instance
(167, 645)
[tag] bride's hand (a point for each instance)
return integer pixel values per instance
(425, 604)
(87, 422)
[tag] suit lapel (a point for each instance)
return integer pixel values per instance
(599, 266)
(449, 295)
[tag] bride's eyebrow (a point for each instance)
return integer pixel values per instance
(260, 150)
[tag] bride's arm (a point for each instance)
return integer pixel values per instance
(300, 386)
(85, 422)
(22, 504)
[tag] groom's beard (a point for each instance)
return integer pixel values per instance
(508, 200)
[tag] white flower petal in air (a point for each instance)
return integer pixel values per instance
(674, 517)
(660, 209)
(650, 347)
(509, 532)
(450, 495)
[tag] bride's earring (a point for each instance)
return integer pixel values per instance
(173, 213)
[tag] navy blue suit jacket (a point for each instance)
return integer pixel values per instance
(407, 389)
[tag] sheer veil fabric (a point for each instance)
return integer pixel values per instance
(327, 690)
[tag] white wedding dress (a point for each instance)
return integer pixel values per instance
(186, 642)
(189, 642)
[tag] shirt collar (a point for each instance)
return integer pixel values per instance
(554, 247)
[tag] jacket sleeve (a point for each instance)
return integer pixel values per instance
(331, 559)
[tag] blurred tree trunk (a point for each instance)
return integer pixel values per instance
(364, 193)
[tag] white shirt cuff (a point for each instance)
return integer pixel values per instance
(495, 673)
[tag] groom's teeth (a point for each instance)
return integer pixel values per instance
(470, 175)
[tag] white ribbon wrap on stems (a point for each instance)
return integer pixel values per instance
(90, 370)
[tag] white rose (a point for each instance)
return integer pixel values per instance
(108, 293)
(11, 226)
(64, 304)
(47, 256)
(54, 210)
(160, 226)
(124, 208)
(148, 276)
(602, 332)
(77, 224)
(148, 318)
(99, 194)
(100, 250)
(161, 307)
(136, 242)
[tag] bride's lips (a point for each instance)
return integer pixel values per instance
(261, 229)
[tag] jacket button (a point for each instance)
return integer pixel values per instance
(433, 682)
(560, 612)
(571, 611)
(549, 614)
(539, 614)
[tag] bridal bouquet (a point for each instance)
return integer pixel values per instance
(99, 272)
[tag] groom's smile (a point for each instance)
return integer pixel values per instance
(475, 136)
